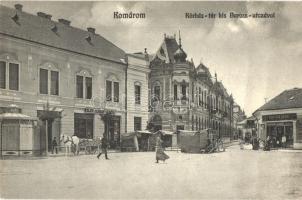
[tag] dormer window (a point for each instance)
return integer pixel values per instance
(54, 29)
(15, 18)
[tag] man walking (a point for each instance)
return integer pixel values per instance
(104, 148)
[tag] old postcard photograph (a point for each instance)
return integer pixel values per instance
(151, 100)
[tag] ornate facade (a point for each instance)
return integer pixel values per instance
(185, 97)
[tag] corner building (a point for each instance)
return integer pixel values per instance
(185, 97)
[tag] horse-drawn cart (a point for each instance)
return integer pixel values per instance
(206, 141)
(89, 146)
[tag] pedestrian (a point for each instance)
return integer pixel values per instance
(160, 154)
(267, 145)
(104, 146)
(241, 142)
(54, 145)
(284, 141)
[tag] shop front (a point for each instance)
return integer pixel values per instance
(281, 128)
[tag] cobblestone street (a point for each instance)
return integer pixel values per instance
(234, 174)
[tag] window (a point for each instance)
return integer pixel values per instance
(192, 92)
(83, 125)
(184, 92)
(116, 92)
(137, 123)
(54, 87)
(157, 92)
(46, 77)
(137, 94)
(175, 92)
(199, 97)
(108, 90)
(84, 87)
(9, 75)
(2, 74)
(43, 81)
(88, 81)
(80, 89)
(13, 76)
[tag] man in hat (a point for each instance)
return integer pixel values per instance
(104, 146)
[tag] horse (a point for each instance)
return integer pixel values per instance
(75, 144)
(66, 142)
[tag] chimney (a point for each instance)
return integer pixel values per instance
(19, 7)
(64, 21)
(41, 14)
(48, 16)
(91, 30)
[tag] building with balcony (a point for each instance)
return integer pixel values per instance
(186, 97)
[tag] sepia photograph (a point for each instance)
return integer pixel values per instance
(151, 100)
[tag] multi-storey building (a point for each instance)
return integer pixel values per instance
(184, 96)
(68, 76)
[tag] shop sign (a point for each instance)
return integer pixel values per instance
(279, 117)
(93, 110)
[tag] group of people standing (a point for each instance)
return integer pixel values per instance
(269, 143)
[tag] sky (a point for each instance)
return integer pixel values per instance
(256, 59)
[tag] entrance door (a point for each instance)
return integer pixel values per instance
(114, 132)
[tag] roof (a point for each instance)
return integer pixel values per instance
(39, 29)
(167, 49)
(287, 99)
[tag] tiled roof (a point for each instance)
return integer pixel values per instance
(39, 29)
(287, 99)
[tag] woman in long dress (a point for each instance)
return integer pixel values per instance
(160, 154)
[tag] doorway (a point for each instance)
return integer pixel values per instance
(114, 134)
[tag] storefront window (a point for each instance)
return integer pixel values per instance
(83, 125)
